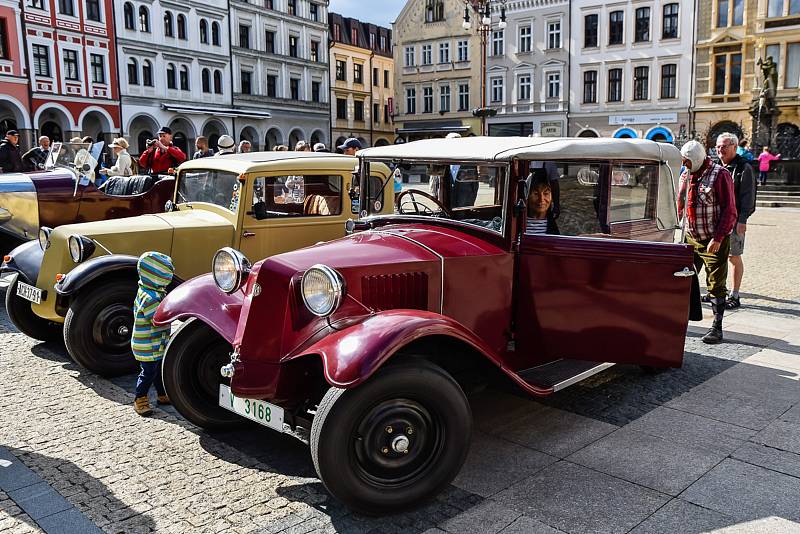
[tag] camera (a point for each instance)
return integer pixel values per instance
(150, 142)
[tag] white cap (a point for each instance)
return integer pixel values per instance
(695, 153)
(226, 142)
(453, 135)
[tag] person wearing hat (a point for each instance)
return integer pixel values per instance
(226, 145)
(350, 147)
(320, 147)
(161, 155)
(710, 214)
(124, 164)
(245, 146)
(302, 146)
(10, 158)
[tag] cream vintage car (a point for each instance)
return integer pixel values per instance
(81, 278)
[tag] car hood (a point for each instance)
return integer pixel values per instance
(19, 209)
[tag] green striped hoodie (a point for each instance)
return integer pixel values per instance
(155, 273)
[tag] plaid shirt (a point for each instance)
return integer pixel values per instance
(711, 203)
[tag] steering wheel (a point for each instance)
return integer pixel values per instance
(416, 204)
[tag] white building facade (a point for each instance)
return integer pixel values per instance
(280, 67)
(631, 68)
(528, 69)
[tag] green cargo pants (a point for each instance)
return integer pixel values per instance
(716, 265)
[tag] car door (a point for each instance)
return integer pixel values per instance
(586, 294)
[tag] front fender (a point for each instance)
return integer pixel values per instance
(26, 260)
(351, 355)
(93, 269)
(201, 298)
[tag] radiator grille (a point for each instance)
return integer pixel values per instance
(392, 291)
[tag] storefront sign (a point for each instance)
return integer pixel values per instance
(650, 118)
(551, 129)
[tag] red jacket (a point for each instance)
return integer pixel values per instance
(160, 161)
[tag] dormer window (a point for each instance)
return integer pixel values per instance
(434, 10)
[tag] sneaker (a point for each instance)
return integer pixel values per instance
(163, 400)
(732, 303)
(142, 406)
(713, 336)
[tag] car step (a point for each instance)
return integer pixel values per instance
(560, 374)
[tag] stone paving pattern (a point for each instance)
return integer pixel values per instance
(714, 446)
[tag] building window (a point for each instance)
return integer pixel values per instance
(615, 27)
(358, 73)
(144, 20)
(314, 11)
(792, 77)
(386, 79)
(270, 39)
(615, 85)
(294, 88)
(215, 38)
(147, 73)
(427, 99)
(358, 110)
(66, 7)
(498, 89)
(341, 108)
(218, 82)
(354, 36)
(463, 97)
(590, 23)
(525, 39)
(314, 56)
(172, 79)
(590, 87)
(444, 52)
(337, 32)
(641, 83)
(434, 10)
(372, 41)
(554, 34)
(376, 113)
(554, 85)
(244, 36)
(383, 42)
(181, 27)
(93, 10)
(463, 50)
(206, 80)
(246, 79)
(386, 113)
(127, 15)
(427, 54)
(498, 43)
(71, 65)
(411, 100)
(41, 61)
(133, 71)
(3, 39)
(730, 11)
(727, 67)
(642, 25)
(444, 98)
(376, 81)
(184, 78)
(781, 8)
(98, 68)
(670, 29)
(38, 4)
(203, 31)
(168, 31)
(341, 70)
(524, 87)
(669, 80)
(316, 91)
(272, 86)
(291, 6)
(409, 62)
(293, 46)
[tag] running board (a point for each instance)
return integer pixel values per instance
(559, 374)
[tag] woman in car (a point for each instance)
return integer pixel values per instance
(123, 166)
(540, 205)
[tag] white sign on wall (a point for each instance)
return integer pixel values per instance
(649, 118)
(551, 129)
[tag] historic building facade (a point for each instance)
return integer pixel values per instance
(528, 69)
(14, 87)
(438, 71)
(362, 82)
(280, 71)
(72, 67)
(631, 68)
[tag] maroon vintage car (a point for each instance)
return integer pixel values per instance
(543, 260)
(64, 192)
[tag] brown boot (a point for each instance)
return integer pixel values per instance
(163, 400)
(142, 406)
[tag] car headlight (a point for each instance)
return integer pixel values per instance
(230, 269)
(80, 248)
(322, 289)
(44, 237)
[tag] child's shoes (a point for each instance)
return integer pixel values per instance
(142, 406)
(163, 400)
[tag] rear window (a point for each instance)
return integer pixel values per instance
(296, 196)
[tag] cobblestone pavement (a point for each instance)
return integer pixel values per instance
(712, 446)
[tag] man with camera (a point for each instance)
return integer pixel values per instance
(161, 155)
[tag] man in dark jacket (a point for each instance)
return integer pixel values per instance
(37, 156)
(10, 158)
(161, 155)
(744, 189)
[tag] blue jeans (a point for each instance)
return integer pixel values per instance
(150, 375)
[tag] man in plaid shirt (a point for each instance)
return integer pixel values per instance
(710, 212)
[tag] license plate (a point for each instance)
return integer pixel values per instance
(29, 292)
(259, 411)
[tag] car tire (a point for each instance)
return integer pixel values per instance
(190, 371)
(358, 437)
(98, 326)
(22, 316)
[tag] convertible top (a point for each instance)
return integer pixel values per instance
(270, 161)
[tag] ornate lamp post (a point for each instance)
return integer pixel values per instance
(482, 10)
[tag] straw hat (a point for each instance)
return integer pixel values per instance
(119, 142)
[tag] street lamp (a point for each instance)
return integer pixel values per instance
(483, 23)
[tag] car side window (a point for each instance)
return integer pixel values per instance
(296, 196)
(579, 207)
(634, 192)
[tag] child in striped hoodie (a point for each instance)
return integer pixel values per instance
(149, 341)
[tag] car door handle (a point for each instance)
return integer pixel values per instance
(248, 234)
(685, 273)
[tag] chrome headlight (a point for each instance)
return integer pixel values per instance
(322, 289)
(80, 248)
(44, 237)
(230, 269)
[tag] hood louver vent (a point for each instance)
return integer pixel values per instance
(395, 291)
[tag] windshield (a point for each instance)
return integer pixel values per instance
(212, 187)
(471, 193)
(74, 155)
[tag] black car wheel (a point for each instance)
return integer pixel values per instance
(393, 442)
(191, 376)
(27, 322)
(97, 330)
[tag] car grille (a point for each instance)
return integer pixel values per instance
(393, 291)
